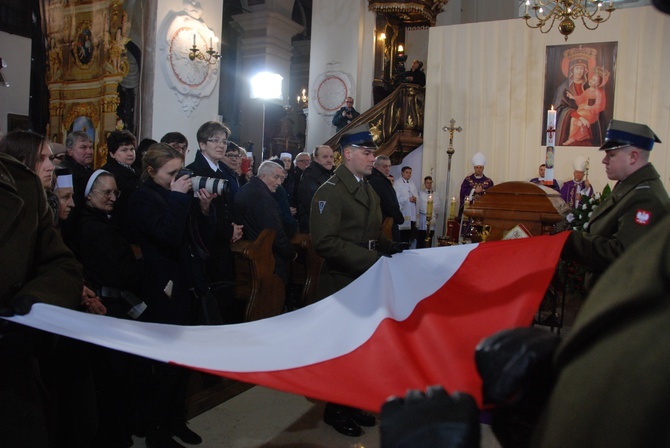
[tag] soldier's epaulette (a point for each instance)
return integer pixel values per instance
(331, 183)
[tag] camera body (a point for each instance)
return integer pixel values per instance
(211, 184)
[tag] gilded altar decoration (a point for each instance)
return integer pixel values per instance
(87, 59)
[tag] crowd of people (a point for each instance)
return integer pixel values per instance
(149, 244)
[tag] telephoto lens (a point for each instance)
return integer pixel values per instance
(211, 184)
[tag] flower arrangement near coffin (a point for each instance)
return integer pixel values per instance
(578, 219)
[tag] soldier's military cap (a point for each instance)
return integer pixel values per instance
(624, 133)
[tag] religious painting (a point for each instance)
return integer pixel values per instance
(84, 124)
(83, 46)
(579, 84)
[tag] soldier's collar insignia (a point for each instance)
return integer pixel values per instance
(322, 205)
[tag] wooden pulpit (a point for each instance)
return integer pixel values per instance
(538, 208)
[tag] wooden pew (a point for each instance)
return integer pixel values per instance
(255, 279)
(306, 268)
(263, 291)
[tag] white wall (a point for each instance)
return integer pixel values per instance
(343, 36)
(167, 111)
(489, 77)
(16, 52)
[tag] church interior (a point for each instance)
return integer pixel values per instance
(152, 67)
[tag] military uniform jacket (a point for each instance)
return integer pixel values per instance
(34, 261)
(636, 204)
(344, 213)
(612, 384)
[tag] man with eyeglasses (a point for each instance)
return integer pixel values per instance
(177, 140)
(212, 142)
(638, 200)
(346, 114)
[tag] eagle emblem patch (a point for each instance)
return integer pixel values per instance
(322, 205)
(642, 217)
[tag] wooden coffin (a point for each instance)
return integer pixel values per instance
(538, 208)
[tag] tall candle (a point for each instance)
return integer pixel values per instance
(194, 39)
(452, 207)
(429, 207)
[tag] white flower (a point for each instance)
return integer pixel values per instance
(586, 225)
(584, 207)
(589, 215)
(570, 217)
(594, 208)
(596, 196)
(591, 201)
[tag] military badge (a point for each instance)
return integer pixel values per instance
(322, 205)
(642, 217)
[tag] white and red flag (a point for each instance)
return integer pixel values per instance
(410, 321)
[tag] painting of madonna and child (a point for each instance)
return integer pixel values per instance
(579, 84)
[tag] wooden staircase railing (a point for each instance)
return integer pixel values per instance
(396, 123)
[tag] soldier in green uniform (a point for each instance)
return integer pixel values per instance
(346, 230)
(346, 218)
(637, 203)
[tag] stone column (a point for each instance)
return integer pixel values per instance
(265, 46)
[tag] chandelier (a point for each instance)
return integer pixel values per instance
(546, 13)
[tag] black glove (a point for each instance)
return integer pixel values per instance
(397, 248)
(17, 305)
(433, 419)
(515, 366)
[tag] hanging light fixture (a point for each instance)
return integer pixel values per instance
(543, 14)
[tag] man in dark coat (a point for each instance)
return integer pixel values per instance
(33, 261)
(79, 160)
(380, 182)
(212, 143)
(346, 224)
(637, 203)
(312, 178)
(257, 209)
(346, 114)
(416, 75)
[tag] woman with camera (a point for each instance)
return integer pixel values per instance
(172, 228)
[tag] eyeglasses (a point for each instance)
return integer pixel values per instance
(108, 193)
(183, 147)
(218, 142)
(349, 102)
(233, 156)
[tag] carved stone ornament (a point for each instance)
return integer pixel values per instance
(332, 88)
(190, 80)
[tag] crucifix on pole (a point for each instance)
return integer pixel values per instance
(450, 152)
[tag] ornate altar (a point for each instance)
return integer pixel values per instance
(537, 208)
(87, 59)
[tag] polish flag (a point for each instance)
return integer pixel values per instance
(410, 321)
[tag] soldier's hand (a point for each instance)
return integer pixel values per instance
(397, 248)
(430, 419)
(515, 366)
(18, 305)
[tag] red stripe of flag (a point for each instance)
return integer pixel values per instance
(499, 285)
